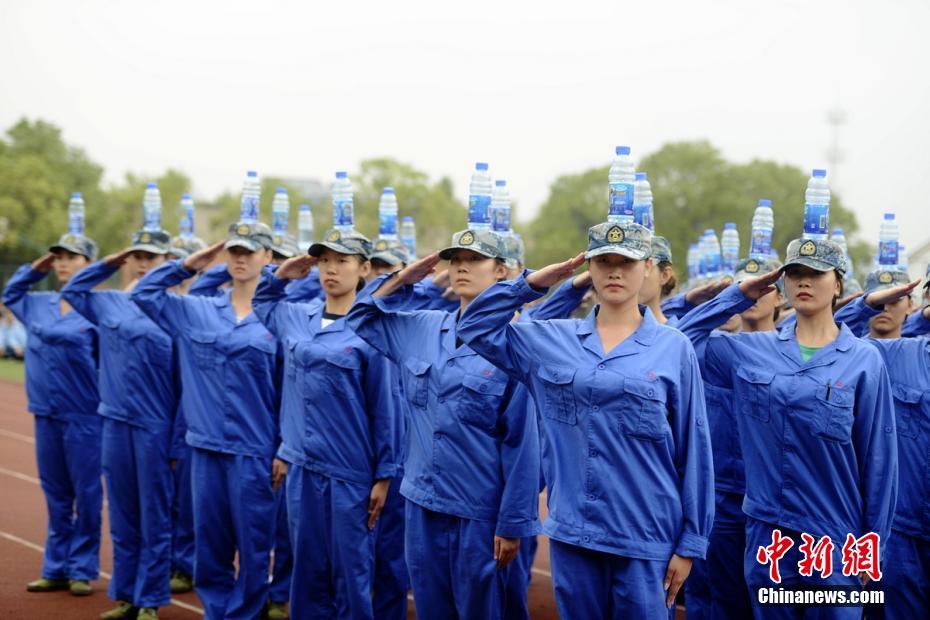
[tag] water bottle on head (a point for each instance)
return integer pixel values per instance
(642, 202)
(479, 198)
(343, 207)
(304, 227)
(151, 207)
(729, 248)
(763, 225)
(500, 208)
(902, 258)
(714, 260)
(817, 206)
(387, 215)
(620, 179)
(251, 195)
(187, 216)
(888, 241)
(76, 214)
(408, 236)
(280, 211)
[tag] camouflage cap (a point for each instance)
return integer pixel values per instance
(349, 242)
(76, 244)
(514, 251)
(284, 245)
(819, 254)
(182, 247)
(628, 239)
(661, 249)
(252, 237)
(751, 267)
(153, 241)
(882, 279)
(851, 286)
(390, 252)
(484, 242)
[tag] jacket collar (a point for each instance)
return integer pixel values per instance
(789, 348)
(643, 337)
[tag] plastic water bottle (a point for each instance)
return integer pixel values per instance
(151, 207)
(500, 208)
(704, 259)
(817, 206)
(694, 264)
(408, 236)
(280, 211)
(251, 195)
(304, 227)
(838, 236)
(902, 258)
(187, 216)
(714, 260)
(479, 198)
(76, 214)
(343, 207)
(729, 245)
(387, 214)
(763, 225)
(642, 202)
(888, 241)
(620, 180)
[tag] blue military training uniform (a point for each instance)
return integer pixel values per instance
(471, 458)
(817, 440)
(229, 377)
(639, 407)
(338, 432)
(61, 387)
(139, 391)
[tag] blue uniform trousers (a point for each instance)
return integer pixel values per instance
(905, 579)
(182, 541)
(391, 580)
(280, 589)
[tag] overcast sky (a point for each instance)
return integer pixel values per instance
(536, 88)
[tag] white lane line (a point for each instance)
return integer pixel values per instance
(17, 436)
(542, 572)
(40, 549)
(18, 476)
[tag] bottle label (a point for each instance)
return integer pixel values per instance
(761, 245)
(621, 200)
(816, 219)
(500, 219)
(888, 252)
(152, 220)
(248, 209)
(411, 244)
(76, 224)
(187, 227)
(694, 270)
(279, 222)
(642, 215)
(479, 209)
(343, 213)
(388, 225)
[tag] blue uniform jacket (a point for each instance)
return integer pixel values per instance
(472, 451)
(817, 438)
(916, 325)
(229, 369)
(139, 384)
(61, 351)
(633, 414)
(338, 414)
(676, 306)
(306, 289)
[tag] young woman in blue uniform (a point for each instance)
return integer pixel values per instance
(660, 281)
(338, 429)
(139, 391)
(61, 386)
(472, 453)
(229, 380)
(617, 392)
(816, 426)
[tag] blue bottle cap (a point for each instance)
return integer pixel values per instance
(709, 231)
(729, 226)
(623, 150)
(481, 166)
(500, 182)
(838, 232)
(388, 190)
(819, 173)
(304, 207)
(640, 176)
(281, 190)
(692, 246)
(408, 219)
(889, 216)
(341, 174)
(765, 202)
(251, 173)
(151, 185)
(76, 195)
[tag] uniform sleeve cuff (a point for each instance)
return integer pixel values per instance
(524, 292)
(517, 530)
(387, 470)
(691, 546)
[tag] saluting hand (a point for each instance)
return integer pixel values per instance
(890, 295)
(552, 274)
(442, 279)
(582, 280)
(296, 268)
(114, 261)
(845, 300)
(758, 287)
(706, 292)
(411, 274)
(376, 501)
(43, 264)
(199, 260)
(678, 570)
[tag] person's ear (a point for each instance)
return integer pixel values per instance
(364, 269)
(500, 270)
(665, 275)
(648, 267)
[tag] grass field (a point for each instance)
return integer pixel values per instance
(11, 370)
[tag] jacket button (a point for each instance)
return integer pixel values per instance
(437, 436)
(590, 497)
(442, 400)
(651, 392)
(450, 363)
(601, 367)
(484, 388)
(592, 453)
(586, 538)
(596, 408)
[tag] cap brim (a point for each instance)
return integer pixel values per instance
(147, 247)
(284, 253)
(446, 254)
(251, 246)
(178, 253)
(386, 257)
(69, 248)
(813, 263)
(617, 249)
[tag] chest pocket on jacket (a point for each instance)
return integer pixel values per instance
(754, 392)
(203, 350)
(109, 333)
(416, 375)
(480, 401)
(907, 410)
(342, 373)
(835, 414)
(558, 385)
(645, 413)
(261, 352)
